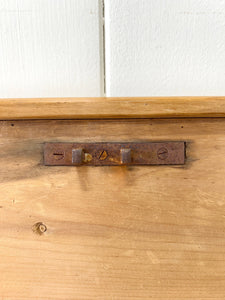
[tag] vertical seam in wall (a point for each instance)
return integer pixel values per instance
(107, 48)
(102, 46)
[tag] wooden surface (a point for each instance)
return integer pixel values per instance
(96, 108)
(112, 232)
(51, 48)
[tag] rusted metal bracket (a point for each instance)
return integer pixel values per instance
(114, 154)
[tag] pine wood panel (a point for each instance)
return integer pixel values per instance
(112, 232)
(102, 108)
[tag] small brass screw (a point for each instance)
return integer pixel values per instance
(103, 155)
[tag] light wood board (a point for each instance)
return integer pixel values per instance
(117, 107)
(113, 233)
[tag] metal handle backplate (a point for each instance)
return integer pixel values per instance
(114, 154)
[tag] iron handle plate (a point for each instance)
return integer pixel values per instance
(114, 154)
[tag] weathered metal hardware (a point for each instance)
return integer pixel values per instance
(77, 156)
(114, 154)
(125, 158)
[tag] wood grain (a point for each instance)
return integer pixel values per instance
(95, 108)
(112, 232)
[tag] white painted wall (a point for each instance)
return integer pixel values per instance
(54, 48)
(165, 47)
(50, 48)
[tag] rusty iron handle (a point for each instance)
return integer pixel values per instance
(114, 154)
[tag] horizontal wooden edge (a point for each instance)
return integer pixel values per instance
(107, 108)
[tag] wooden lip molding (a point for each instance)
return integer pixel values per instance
(107, 108)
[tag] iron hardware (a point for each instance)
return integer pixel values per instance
(114, 154)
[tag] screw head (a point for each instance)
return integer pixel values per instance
(162, 153)
(58, 155)
(103, 155)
